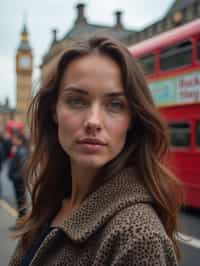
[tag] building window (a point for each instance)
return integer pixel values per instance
(150, 31)
(198, 133)
(180, 134)
(159, 27)
(148, 63)
(176, 56)
(142, 35)
(169, 23)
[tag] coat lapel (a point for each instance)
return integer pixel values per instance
(50, 238)
(116, 194)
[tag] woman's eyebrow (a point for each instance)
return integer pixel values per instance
(75, 89)
(85, 92)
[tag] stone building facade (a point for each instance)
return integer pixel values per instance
(181, 11)
(24, 71)
(6, 113)
(80, 30)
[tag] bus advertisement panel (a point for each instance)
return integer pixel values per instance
(175, 90)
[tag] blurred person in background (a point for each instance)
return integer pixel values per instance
(15, 171)
(2, 156)
(5, 148)
(7, 144)
(100, 193)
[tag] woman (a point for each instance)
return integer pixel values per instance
(15, 171)
(100, 193)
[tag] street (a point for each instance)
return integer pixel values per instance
(190, 242)
(189, 231)
(7, 244)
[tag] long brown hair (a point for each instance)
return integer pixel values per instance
(48, 168)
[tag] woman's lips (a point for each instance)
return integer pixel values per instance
(90, 147)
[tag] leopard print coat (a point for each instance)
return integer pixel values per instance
(116, 225)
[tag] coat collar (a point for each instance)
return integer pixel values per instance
(116, 194)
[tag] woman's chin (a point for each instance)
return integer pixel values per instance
(89, 163)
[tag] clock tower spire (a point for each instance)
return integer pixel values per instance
(24, 71)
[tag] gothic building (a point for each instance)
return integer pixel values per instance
(181, 11)
(81, 29)
(24, 71)
(6, 113)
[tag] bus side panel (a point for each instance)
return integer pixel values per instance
(186, 166)
(185, 161)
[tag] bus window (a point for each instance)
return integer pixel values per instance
(176, 56)
(148, 63)
(179, 134)
(198, 133)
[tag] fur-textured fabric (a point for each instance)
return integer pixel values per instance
(115, 225)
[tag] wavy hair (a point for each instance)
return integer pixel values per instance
(48, 167)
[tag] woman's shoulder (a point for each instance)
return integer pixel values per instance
(138, 222)
(138, 236)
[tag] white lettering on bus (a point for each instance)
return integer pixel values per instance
(190, 94)
(185, 83)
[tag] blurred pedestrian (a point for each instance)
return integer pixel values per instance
(100, 192)
(7, 145)
(15, 171)
(2, 150)
(2, 155)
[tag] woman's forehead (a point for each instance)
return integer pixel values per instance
(99, 66)
(93, 72)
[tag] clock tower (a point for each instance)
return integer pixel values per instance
(24, 71)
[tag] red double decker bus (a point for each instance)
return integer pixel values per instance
(171, 62)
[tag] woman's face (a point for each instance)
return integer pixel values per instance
(92, 111)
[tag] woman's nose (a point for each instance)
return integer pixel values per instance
(93, 118)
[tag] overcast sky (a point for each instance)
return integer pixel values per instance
(43, 15)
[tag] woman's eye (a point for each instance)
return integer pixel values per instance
(116, 105)
(75, 102)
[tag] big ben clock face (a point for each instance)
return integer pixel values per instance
(25, 62)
